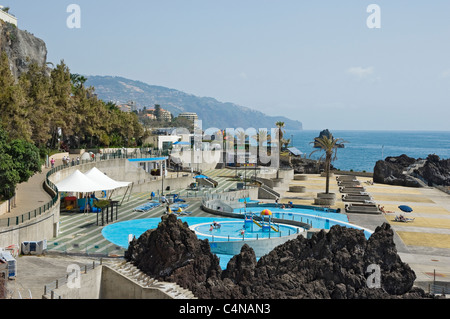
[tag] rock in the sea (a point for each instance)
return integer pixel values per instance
(331, 265)
(435, 171)
(390, 171)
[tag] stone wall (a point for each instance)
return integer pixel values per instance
(41, 227)
(115, 281)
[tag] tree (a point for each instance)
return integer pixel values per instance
(157, 113)
(329, 145)
(260, 137)
(13, 112)
(279, 125)
(36, 85)
(77, 82)
(64, 115)
(26, 158)
(9, 177)
(19, 160)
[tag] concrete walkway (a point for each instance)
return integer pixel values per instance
(30, 195)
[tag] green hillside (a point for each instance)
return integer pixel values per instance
(212, 112)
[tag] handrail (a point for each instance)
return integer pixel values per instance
(17, 220)
(20, 219)
(49, 288)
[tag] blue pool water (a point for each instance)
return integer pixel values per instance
(230, 229)
(316, 218)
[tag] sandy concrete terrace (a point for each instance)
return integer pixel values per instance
(431, 225)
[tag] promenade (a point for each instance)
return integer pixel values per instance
(424, 244)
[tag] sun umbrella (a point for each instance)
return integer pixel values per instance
(266, 212)
(405, 208)
(200, 176)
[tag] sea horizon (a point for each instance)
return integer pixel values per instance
(366, 147)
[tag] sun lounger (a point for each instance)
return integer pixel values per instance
(349, 190)
(176, 206)
(349, 184)
(146, 207)
(357, 198)
(342, 178)
(403, 219)
(181, 213)
(366, 208)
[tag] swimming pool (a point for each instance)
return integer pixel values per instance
(316, 218)
(230, 229)
(225, 241)
(227, 237)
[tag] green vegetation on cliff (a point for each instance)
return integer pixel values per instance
(49, 109)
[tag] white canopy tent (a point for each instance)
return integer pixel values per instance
(77, 182)
(93, 181)
(103, 179)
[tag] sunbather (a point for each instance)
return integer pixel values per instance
(381, 208)
(403, 219)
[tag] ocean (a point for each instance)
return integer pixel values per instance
(365, 148)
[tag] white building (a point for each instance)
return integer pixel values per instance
(189, 115)
(7, 17)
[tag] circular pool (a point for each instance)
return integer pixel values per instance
(318, 218)
(238, 229)
(230, 229)
(225, 240)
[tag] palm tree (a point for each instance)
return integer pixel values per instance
(286, 143)
(329, 145)
(280, 125)
(240, 141)
(261, 136)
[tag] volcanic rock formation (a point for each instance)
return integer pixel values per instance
(390, 171)
(434, 172)
(331, 265)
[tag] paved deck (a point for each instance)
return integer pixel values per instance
(424, 243)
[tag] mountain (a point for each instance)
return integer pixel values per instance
(213, 113)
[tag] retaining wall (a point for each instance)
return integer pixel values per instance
(260, 246)
(42, 227)
(116, 282)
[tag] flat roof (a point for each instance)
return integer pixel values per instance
(149, 159)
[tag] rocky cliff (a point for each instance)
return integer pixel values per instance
(435, 171)
(22, 48)
(331, 265)
(390, 171)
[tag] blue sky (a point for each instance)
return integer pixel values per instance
(313, 61)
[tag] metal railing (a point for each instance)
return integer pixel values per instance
(49, 289)
(19, 219)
